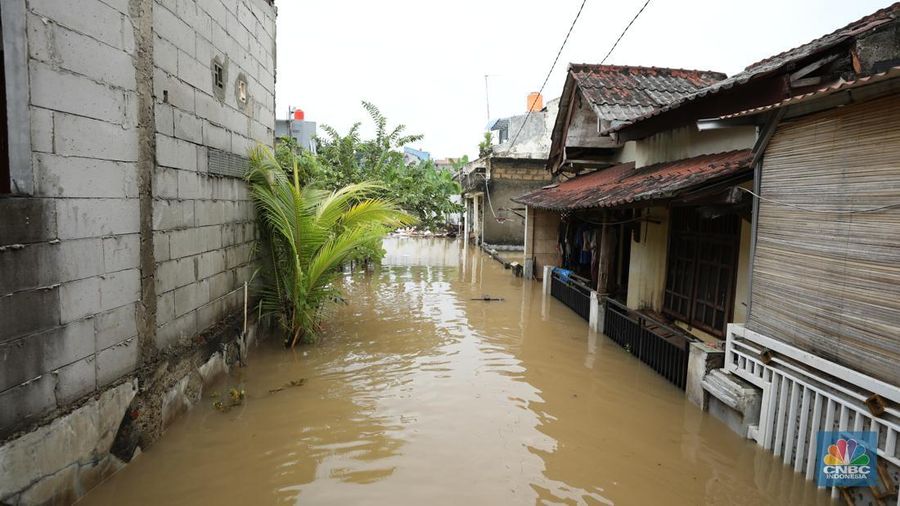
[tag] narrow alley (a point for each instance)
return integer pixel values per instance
(426, 393)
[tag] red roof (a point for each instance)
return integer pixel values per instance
(777, 63)
(620, 93)
(623, 184)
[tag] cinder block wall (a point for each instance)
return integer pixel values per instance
(124, 121)
(203, 221)
(510, 179)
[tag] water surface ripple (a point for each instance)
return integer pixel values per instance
(421, 395)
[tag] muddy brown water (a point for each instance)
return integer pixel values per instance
(420, 395)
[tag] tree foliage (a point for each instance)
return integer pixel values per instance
(418, 188)
(306, 234)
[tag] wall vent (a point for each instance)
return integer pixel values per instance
(224, 163)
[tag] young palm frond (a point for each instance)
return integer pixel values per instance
(306, 234)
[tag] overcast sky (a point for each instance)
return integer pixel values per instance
(423, 63)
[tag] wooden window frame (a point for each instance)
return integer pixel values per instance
(700, 242)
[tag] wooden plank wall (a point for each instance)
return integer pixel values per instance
(828, 282)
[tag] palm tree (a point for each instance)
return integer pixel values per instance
(306, 234)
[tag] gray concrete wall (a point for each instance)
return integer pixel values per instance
(509, 179)
(127, 243)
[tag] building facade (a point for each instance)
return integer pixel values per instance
(125, 227)
(759, 215)
(515, 165)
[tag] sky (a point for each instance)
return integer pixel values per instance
(423, 63)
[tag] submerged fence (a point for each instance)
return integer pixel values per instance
(572, 291)
(664, 350)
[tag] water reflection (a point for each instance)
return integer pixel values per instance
(422, 395)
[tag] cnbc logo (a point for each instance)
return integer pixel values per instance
(846, 459)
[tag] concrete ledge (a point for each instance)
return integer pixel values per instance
(702, 359)
(68, 456)
(733, 401)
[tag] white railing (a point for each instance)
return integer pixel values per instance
(803, 394)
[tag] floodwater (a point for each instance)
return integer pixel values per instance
(421, 395)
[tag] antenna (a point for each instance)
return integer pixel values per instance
(487, 97)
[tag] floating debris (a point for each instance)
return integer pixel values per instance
(292, 383)
(488, 298)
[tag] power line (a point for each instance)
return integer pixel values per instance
(611, 49)
(624, 31)
(555, 60)
(824, 211)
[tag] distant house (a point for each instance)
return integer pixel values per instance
(596, 97)
(761, 213)
(300, 129)
(514, 165)
(413, 156)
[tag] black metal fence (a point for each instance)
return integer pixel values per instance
(665, 351)
(573, 292)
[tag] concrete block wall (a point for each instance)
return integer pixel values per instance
(509, 179)
(71, 261)
(202, 221)
(543, 237)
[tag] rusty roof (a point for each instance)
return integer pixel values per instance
(839, 86)
(777, 62)
(623, 184)
(620, 93)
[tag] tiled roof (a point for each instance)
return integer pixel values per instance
(621, 93)
(780, 61)
(623, 184)
(839, 86)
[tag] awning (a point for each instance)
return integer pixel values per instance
(623, 184)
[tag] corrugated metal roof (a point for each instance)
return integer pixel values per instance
(777, 62)
(621, 93)
(623, 184)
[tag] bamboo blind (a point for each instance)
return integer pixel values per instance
(829, 283)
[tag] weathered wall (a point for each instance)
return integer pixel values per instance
(647, 270)
(123, 118)
(202, 221)
(543, 236)
(510, 179)
(685, 142)
(69, 263)
(742, 281)
(131, 243)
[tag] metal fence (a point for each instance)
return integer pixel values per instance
(665, 351)
(573, 292)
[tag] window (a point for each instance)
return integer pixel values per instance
(702, 263)
(219, 76)
(242, 91)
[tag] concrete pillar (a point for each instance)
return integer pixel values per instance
(528, 260)
(466, 221)
(476, 220)
(548, 274)
(608, 242)
(702, 359)
(598, 311)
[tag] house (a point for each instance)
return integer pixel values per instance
(596, 97)
(299, 128)
(513, 166)
(412, 156)
(782, 247)
(126, 229)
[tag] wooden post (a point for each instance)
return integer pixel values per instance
(607, 254)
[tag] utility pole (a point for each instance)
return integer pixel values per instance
(487, 97)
